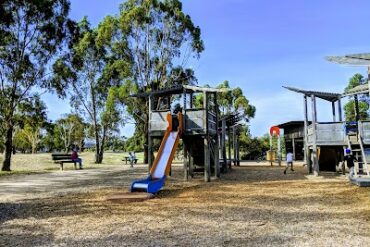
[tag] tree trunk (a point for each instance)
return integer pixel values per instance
(146, 141)
(8, 148)
(98, 158)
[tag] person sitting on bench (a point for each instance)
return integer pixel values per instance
(132, 158)
(75, 158)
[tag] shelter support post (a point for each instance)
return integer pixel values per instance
(333, 110)
(207, 160)
(223, 143)
(305, 139)
(340, 110)
(217, 149)
(314, 146)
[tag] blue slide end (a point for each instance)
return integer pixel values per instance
(148, 185)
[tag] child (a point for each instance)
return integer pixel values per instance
(349, 158)
(289, 161)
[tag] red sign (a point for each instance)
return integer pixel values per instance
(274, 130)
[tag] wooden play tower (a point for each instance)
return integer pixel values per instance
(203, 129)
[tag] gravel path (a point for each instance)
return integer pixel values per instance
(21, 187)
(250, 206)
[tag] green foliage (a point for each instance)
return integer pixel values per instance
(32, 32)
(31, 118)
(234, 101)
(97, 67)
(135, 143)
(68, 131)
(231, 101)
(161, 39)
(250, 147)
(349, 108)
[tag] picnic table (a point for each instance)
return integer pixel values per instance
(128, 158)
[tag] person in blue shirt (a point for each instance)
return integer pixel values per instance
(289, 161)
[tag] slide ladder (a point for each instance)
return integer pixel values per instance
(361, 166)
(364, 169)
(162, 163)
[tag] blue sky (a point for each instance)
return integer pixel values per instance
(261, 45)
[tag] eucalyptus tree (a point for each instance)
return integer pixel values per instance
(70, 130)
(363, 103)
(233, 100)
(95, 69)
(32, 33)
(162, 39)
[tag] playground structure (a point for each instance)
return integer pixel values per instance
(294, 138)
(324, 142)
(202, 131)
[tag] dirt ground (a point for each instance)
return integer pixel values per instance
(253, 205)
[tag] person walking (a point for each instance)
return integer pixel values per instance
(289, 161)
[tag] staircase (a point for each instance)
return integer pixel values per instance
(356, 145)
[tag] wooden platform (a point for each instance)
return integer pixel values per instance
(361, 181)
(125, 197)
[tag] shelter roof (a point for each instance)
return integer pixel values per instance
(332, 97)
(292, 124)
(178, 89)
(360, 89)
(360, 59)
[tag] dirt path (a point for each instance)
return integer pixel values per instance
(21, 187)
(251, 206)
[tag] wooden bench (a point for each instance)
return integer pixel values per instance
(62, 158)
(127, 158)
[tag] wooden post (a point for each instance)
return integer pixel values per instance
(234, 146)
(309, 161)
(207, 162)
(223, 143)
(340, 110)
(314, 146)
(185, 158)
(293, 145)
(333, 110)
(230, 143)
(191, 162)
(271, 161)
(305, 139)
(238, 150)
(191, 101)
(279, 149)
(150, 152)
(217, 149)
(186, 163)
(357, 110)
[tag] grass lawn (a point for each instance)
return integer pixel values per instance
(42, 162)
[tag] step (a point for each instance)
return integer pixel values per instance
(361, 181)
